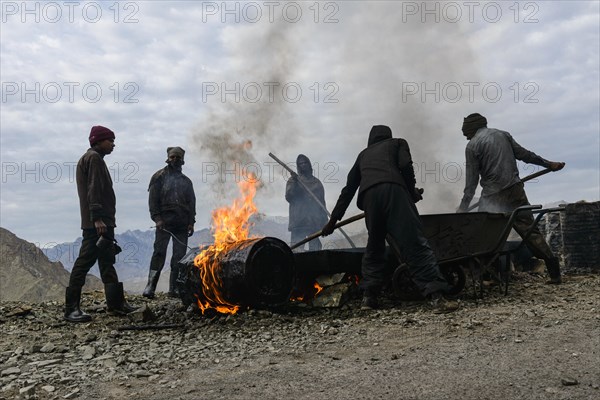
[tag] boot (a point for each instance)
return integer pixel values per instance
(441, 304)
(72, 311)
(115, 299)
(553, 267)
(153, 276)
(370, 300)
(173, 287)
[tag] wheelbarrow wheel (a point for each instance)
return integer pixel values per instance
(456, 277)
(403, 285)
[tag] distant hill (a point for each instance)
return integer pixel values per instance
(26, 273)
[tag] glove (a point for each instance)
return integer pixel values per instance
(328, 228)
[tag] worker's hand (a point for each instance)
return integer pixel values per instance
(328, 228)
(463, 207)
(190, 230)
(159, 224)
(100, 227)
(556, 166)
(417, 194)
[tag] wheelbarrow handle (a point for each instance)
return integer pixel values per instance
(518, 211)
(509, 224)
(540, 213)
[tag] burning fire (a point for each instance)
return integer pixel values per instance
(318, 288)
(229, 225)
(314, 291)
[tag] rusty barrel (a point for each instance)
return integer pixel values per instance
(255, 272)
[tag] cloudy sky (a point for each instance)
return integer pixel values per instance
(231, 82)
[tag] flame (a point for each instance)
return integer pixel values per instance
(229, 225)
(310, 293)
(318, 288)
(354, 279)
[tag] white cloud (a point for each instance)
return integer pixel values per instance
(368, 57)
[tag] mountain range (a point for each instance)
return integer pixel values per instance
(133, 262)
(31, 274)
(26, 273)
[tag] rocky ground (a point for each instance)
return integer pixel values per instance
(539, 342)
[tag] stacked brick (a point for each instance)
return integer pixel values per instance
(574, 234)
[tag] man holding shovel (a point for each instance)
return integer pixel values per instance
(384, 177)
(491, 154)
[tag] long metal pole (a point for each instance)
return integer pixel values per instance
(315, 198)
(337, 226)
(527, 178)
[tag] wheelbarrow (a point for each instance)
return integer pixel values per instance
(472, 242)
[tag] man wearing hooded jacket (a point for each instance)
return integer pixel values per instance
(306, 215)
(97, 205)
(172, 204)
(384, 177)
(492, 154)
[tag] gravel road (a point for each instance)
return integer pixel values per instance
(539, 342)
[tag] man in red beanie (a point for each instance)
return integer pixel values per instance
(97, 204)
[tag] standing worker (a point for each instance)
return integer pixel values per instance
(492, 154)
(306, 215)
(97, 205)
(172, 204)
(384, 177)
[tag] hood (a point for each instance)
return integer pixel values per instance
(379, 133)
(307, 170)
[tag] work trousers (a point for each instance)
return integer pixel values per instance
(89, 254)
(508, 200)
(301, 234)
(161, 242)
(390, 213)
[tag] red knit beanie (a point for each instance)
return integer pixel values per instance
(99, 133)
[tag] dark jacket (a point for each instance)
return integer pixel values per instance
(171, 199)
(305, 212)
(384, 160)
(95, 189)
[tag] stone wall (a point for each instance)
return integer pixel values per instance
(574, 234)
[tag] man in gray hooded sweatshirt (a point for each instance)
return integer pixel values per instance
(492, 154)
(384, 177)
(306, 215)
